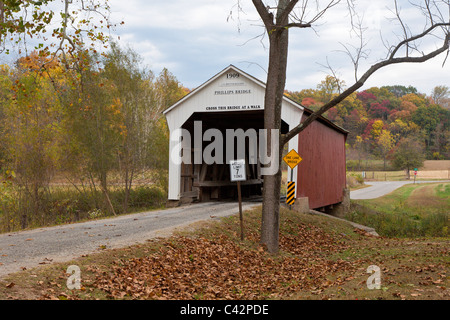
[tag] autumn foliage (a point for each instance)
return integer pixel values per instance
(84, 129)
(391, 113)
(187, 267)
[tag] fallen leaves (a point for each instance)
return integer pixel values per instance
(10, 285)
(46, 261)
(201, 268)
(313, 264)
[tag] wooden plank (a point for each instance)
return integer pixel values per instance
(247, 169)
(197, 172)
(215, 193)
(322, 175)
(225, 183)
(203, 172)
(221, 171)
(215, 172)
(190, 194)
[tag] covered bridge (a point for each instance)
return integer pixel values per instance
(233, 99)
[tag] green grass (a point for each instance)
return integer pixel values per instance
(443, 191)
(416, 210)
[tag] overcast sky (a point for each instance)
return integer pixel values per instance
(197, 39)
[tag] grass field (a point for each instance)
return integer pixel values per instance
(413, 210)
(431, 170)
(436, 165)
(320, 258)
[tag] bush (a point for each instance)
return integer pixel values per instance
(354, 180)
(369, 165)
(142, 197)
(62, 205)
(404, 224)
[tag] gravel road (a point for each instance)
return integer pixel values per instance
(64, 243)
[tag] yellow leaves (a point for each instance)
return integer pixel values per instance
(385, 141)
(359, 139)
(377, 128)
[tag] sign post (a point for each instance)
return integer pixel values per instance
(415, 174)
(237, 173)
(292, 159)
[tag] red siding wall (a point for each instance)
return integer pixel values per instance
(322, 173)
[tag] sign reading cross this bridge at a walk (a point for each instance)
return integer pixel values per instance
(292, 159)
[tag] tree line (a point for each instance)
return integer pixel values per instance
(384, 122)
(75, 142)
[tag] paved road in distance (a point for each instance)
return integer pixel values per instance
(380, 188)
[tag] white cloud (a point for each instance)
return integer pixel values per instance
(194, 41)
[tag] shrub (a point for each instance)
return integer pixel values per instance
(354, 180)
(404, 224)
(64, 205)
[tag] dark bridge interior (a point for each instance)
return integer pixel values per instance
(206, 182)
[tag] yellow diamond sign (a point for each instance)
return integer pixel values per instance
(292, 159)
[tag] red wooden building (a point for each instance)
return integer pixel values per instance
(321, 176)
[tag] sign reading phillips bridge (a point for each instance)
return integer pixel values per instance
(226, 94)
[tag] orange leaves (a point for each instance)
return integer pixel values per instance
(201, 268)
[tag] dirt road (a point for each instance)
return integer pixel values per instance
(64, 243)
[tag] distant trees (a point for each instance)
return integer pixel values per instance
(385, 143)
(378, 118)
(408, 154)
(441, 96)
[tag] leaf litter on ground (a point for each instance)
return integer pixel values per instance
(198, 267)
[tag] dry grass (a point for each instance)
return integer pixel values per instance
(436, 165)
(425, 196)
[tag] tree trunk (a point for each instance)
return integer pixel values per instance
(127, 191)
(104, 187)
(278, 37)
(276, 80)
(270, 224)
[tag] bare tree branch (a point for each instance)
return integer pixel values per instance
(265, 15)
(414, 38)
(362, 80)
